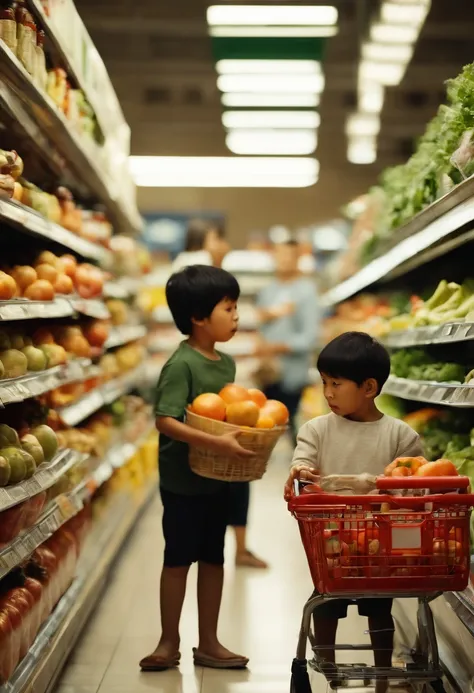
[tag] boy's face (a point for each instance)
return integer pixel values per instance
(223, 322)
(345, 397)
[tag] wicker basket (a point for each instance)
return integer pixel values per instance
(207, 463)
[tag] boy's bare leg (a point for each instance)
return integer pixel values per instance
(210, 583)
(172, 592)
(382, 629)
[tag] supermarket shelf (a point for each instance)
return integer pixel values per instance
(41, 666)
(81, 153)
(46, 476)
(19, 216)
(433, 224)
(91, 307)
(125, 334)
(35, 384)
(123, 288)
(432, 334)
(22, 309)
(62, 509)
(434, 393)
(101, 396)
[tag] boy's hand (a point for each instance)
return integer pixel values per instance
(303, 472)
(228, 444)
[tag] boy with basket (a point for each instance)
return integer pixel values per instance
(203, 302)
(356, 438)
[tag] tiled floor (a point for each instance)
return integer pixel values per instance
(260, 613)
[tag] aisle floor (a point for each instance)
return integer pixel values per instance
(260, 614)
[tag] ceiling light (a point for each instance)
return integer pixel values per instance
(271, 83)
(287, 142)
(251, 67)
(388, 52)
(271, 119)
(246, 100)
(223, 172)
(388, 74)
(371, 97)
(273, 31)
(271, 15)
(363, 125)
(406, 13)
(389, 33)
(361, 150)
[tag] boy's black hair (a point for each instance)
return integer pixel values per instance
(195, 291)
(355, 356)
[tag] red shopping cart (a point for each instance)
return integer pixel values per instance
(386, 546)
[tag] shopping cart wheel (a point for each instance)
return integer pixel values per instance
(300, 677)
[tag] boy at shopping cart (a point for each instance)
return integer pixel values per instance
(355, 438)
(203, 303)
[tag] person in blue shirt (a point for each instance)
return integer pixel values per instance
(289, 327)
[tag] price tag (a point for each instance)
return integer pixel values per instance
(9, 559)
(18, 493)
(5, 500)
(29, 543)
(37, 535)
(43, 478)
(49, 525)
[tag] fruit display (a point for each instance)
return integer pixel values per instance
(241, 407)
(19, 457)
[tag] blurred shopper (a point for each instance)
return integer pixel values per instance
(196, 251)
(289, 324)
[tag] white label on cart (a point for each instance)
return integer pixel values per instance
(406, 537)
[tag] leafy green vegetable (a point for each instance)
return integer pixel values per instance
(438, 372)
(405, 359)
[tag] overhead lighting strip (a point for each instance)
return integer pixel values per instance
(384, 59)
(224, 172)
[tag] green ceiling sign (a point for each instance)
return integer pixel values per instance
(270, 48)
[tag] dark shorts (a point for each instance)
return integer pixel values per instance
(194, 528)
(337, 608)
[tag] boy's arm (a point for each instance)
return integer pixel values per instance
(226, 444)
(410, 444)
(304, 465)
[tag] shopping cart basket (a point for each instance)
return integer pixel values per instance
(389, 546)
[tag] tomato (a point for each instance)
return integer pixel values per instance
(401, 471)
(8, 287)
(210, 405)
(257, 396)
(277, 411)
(47, 272)
(63, 284)
(438, 468)
(410, 463)
(24, 275)
(40, 290)
(97, 333)
(89, 281)
(234, 393)
(242, 413)
(68, 265)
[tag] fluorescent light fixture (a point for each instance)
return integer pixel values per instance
(362, 150)
(224, 172)
(388, 74)
(271, 119)
(270, 84)
(273, 31)
(371, 97)
(393, 33)
(363, 125)
(387, 52)
(270, 67)
(271, 15)
(281, 142)
(246, 100)
(413, 14)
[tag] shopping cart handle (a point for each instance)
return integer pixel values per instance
(386, 483)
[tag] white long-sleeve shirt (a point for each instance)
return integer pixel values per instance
(335, 445)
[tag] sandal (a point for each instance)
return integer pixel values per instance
(157, 663)
(204, 660)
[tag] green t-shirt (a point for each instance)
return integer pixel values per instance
(186, 375)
